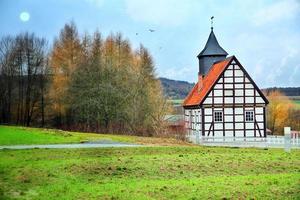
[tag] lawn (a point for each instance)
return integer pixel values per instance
(181, 171)
(150, 173)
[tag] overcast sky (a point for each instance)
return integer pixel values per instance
(263, 35)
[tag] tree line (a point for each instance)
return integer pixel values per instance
(82, 82)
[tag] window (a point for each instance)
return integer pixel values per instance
(218, 116)
(249, 116)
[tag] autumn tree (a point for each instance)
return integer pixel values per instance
(147, 106)
(278, 111)
(99, 88)
(64, 59)
(294, 117)
(115, 88)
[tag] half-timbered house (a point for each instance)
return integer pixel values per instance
(225, 101)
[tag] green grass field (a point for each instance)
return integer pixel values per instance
(176, 101)
(12, 135)
(177, 172)
(149, 173)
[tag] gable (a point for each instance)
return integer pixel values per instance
(234, 86)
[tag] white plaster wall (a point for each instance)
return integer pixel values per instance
(218, 125)
(218, 93)
(228, 73)
(249, 93)
(238, 79)
(239, 85)
(228, 118)
(218, 100)
(228, 86)
(239, 125)
(259, 118)
(239, 133)
(230, 66)
(259, 110)
(249, 100)
(239, 110)
(228, 126)
(228, 100)
(238, 73)
(218, 133)
(239, 100)
(208, 111)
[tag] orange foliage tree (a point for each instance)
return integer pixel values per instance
(64, 59)
(278, 112)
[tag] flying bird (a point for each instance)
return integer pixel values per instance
(151, 30)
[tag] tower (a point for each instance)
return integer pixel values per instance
(211, 53)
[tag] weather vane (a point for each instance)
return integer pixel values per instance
(211, 22)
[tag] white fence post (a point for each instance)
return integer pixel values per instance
(197, 137)
(287, 139)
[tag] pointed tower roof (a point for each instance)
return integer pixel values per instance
(212, 47)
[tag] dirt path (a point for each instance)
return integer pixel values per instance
(97, 144)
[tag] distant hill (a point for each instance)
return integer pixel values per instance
(176, 89)
(288, 91)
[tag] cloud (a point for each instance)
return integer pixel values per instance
(281, 10)
(258, 68)
(295, 75)
(163, 12)
(284, 72)
(179, 74)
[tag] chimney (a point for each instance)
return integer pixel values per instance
(200, 81)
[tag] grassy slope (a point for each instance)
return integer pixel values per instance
(150, 173)
(11, 135)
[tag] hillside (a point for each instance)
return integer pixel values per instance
(288, 91)
(175, 89)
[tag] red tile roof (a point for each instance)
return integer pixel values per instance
(196, 96)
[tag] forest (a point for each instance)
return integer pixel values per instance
(80, 82)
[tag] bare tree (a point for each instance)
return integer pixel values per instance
(22, 62)
(7, 72)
